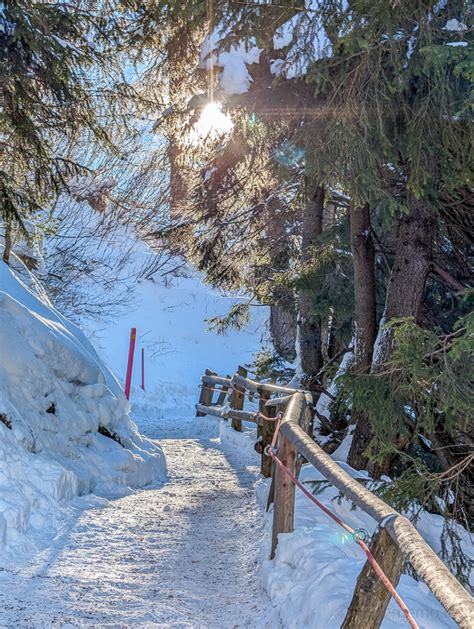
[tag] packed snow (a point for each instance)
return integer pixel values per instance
(182, 554)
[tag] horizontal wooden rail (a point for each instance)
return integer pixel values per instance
(256, 387)
(216, 380)
(445, 587)
(443, 584)
(225, 412)
(279, 401)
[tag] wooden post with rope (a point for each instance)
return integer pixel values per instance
(237, 399)
(370, 598)
(284, 507)
(205, 397)
(266, 432)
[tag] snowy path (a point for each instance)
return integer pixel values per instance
(182, 555)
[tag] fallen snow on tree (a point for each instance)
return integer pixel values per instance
(234, 77)
(65, 429)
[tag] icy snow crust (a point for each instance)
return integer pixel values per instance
(55, 393)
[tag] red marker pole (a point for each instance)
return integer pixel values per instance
(143, 368)
(131, 352)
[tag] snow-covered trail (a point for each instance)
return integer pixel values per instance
(184, 554)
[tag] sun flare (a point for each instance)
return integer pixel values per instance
(212, 123)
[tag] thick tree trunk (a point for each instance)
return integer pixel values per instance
(310, 325)
(327, 326)
(283, 310)
(7, 247)
(404, 297)
(178, 192)
(182, 54)
(283, 330)
(363, 255)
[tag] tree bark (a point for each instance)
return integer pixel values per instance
(182, 54)
(309, 324)
(363, 255)
(413, 261)
(8, 240)
(283, 311)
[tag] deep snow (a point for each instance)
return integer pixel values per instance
(55, 394)
(170, 314)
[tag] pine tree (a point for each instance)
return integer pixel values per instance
(60, 84)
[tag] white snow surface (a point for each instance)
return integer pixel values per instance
(55, 393)
(234, 77)
(455, 25)
(171, 316)
(181, 554)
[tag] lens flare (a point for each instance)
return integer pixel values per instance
(212, 124)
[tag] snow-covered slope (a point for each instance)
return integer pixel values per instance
(170, 316)
(65, 428)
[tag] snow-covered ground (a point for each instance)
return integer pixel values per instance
(65, 428)
(170, 316)
(182, 554)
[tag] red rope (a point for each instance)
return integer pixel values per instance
(270, 419)
(373, 562)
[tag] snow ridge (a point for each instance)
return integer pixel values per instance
(65, 428)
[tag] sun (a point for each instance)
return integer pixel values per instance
(212, 124)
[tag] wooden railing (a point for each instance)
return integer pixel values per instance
(396, 539)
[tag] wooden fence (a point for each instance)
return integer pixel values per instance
(396, 539)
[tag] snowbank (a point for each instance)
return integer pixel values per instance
(169, 309)
(170, 315)
(65, 428)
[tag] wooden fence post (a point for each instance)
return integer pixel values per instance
(370, 598)
(266, 432)
(284, 507)
(237, 400)
(222, 394)
(207, 392)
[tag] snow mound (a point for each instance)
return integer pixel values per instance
(65, 428)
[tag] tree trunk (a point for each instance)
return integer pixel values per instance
(404, 297)
(283, 330)
(8, 240)
(182, 55)
(413, 260)
(310, 325)
(327, 326)
(282, 311)
(177, 185)
(363, 255)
